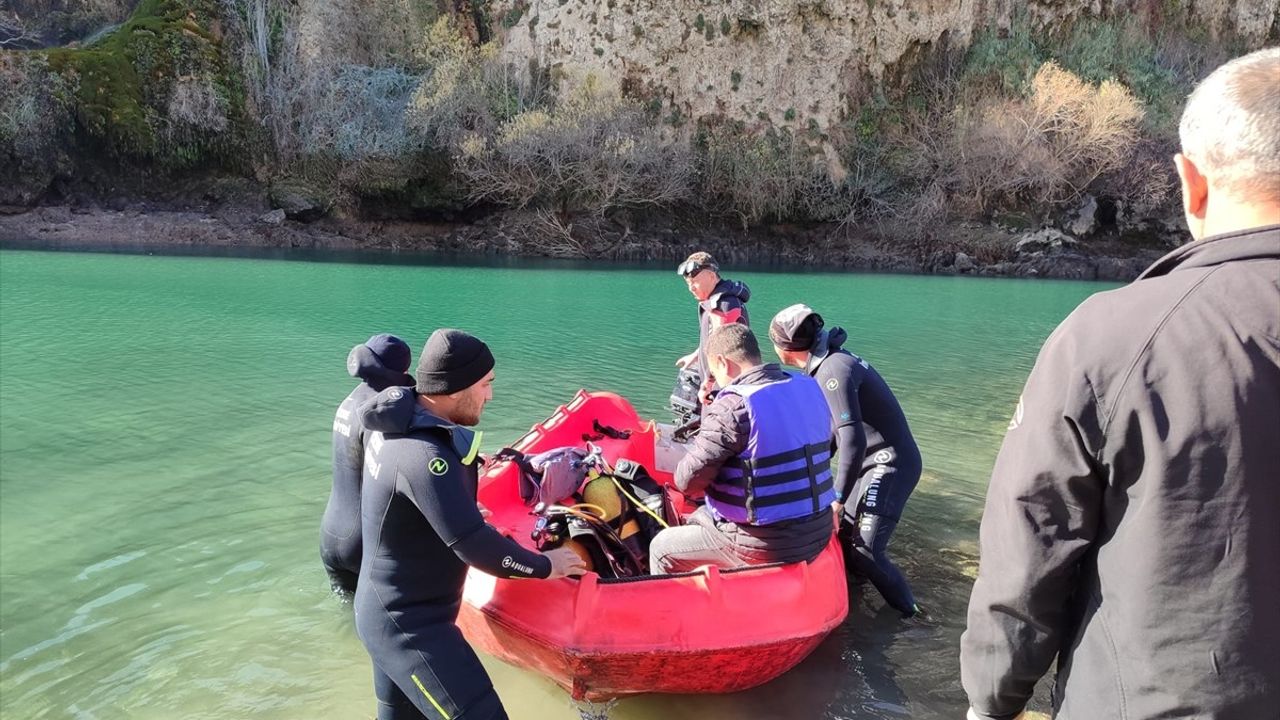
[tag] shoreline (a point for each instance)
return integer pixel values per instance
(957, 249)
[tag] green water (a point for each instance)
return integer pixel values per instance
(164, 447)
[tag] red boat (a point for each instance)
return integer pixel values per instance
(709, 631)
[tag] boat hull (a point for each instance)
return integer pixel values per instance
(708, 631)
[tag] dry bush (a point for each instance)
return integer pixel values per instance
(769, 175)
(466, 91)
(195, 105)
(36, 124)
(1147, 184)
(594, 153)
(34, 109)
(1048, 147)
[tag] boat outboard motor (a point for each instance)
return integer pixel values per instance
(684, 397)
(686, 408)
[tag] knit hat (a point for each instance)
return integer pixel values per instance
(795, 328)
(452, 360)
(391, 350)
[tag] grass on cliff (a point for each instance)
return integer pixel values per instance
(131, 83)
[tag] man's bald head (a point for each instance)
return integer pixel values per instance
(1231, 126)
(1230, 160)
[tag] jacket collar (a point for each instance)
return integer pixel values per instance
(760, 374)
(465, 441)
(821, 351)
(1252, 244)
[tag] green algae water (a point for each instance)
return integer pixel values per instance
(164, 463)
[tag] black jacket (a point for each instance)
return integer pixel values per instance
(1132, 524)
(421, 525)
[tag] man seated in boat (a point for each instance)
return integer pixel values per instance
(763, 459)
(720, 302)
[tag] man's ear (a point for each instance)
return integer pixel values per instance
(1195, 187)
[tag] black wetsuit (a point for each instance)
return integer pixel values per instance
(340, 529)
(421, 531)
(875, 447)
(726, 304)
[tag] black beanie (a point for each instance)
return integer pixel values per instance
(451, 361)
(795, 328)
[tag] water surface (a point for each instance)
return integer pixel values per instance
(164, 451)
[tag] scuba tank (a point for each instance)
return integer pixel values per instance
(582, 529)
(610, 519)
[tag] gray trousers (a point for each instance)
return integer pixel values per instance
(696, 543)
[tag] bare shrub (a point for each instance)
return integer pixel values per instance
(1049, 146)
(16, 34)
(1147, 183)
(550, 234)
(196, 104)
(466, 91)
(768, 174)
(594, 153)
(34, 106)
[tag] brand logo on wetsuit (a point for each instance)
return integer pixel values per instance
(1016, 420)
(438, 466)
(395, 394)
(510, 564)
(832, 384)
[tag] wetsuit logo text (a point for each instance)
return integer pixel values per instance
(510, 564)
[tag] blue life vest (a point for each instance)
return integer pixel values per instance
(785, 471)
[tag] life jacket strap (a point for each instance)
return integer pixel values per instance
(768, 461)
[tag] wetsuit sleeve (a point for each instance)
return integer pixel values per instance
(1042, 511)
(851, 444)
(721, 437)
(846, 418)
(446, 497)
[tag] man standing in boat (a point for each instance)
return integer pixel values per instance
(763, 458)
(422, 529)
(1130, 536)
(720, 302)
(380, 362)
(878, 464)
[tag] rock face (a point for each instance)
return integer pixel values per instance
(1084, 219)
(797, 64)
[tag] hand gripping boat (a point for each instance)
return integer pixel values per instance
(708, 631)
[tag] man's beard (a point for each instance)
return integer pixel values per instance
(468, 413)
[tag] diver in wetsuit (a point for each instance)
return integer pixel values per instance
(380, 362)
(879, 463)
(422, 529)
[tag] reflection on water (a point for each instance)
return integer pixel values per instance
(165, 448)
